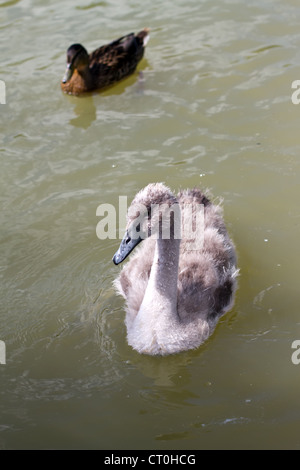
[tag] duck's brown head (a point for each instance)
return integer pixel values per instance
(77, 59)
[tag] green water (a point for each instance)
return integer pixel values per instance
(213, 109)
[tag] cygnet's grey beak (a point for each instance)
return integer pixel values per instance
(126, 246)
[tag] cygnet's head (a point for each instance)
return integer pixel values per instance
(153, 212)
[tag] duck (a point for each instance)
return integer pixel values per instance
(105, 66)
(183, 275)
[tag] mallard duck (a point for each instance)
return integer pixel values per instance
(105, 66)
(180, 281)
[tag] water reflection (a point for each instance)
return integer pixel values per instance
(9, 3)
(85, 111)
(164, 370)
(85, 108)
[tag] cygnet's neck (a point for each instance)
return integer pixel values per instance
(153, 330)
(160, 299)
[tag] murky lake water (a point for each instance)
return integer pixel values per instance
(213, 109)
